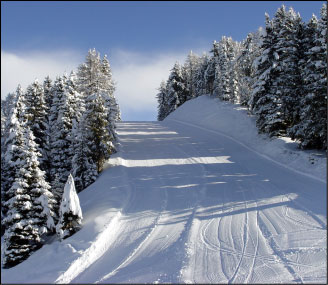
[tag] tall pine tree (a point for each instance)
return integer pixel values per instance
(311, 129)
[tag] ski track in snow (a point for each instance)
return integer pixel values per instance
(97, 248)
(135, 250)
(90, 255)
(200, 207)
(247, 147)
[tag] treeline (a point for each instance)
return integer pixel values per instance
(48, 131)
(279, 73)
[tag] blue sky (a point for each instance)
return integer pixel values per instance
(142, 39)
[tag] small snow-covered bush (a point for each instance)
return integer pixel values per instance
(70, 213)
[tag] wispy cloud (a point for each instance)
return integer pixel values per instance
(137, 75)
(24, 68)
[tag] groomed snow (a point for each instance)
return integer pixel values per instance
(197, 198)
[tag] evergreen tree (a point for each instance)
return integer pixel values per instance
(70, 211)
(3, 122)
(95, 77)
(36, 115)
(75, 102)
(68, 110)
(98, 139)
(57, 90)
(249, 51)
(47, 90)
(189, 74)
(200, 82)
(8, 169)
(8, 103)
(21, 234)
(288, 28)
(48, 97)
(109, 87)
(89, 74)
(225, 77)
(176, 88)
(311, 129)
(265, 101)
(28, 200)
(84, 169)
(211, 69)
(162, 102)
(43, 200)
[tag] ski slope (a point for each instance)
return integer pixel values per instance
(195, 199)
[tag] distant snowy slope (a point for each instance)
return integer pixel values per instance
(235, 121)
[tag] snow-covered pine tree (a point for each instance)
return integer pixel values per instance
(234, 76)
(288, 28)
(76, 104)
(60, 130)
(95, 77)
(28, 200)
(311, 129)
(57, 91)
(108, 86)
(176, 88)
(68, 106)
(37, 121)
(189, 74)
(48, 97)
(70, 211)
(8, 103)
(225, 77)
(3, 122)
(21, 235)
(98, 138)
(162, 102)
(42, 211)
(210, 70)
(89, 74)
(200, 83)
(84, 169)
(107, 89)
(265, 101)
(16, 108)
(249, 51)
(47, 90)
(57, 182)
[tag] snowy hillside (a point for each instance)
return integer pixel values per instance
(233, 121)
(197, 198)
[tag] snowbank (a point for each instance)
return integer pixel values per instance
(235, 122)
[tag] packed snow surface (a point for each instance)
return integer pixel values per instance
(197, 198)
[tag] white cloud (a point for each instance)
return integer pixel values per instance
(24, 68)
(138, 75)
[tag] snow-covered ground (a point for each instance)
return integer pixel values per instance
(197, 198)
